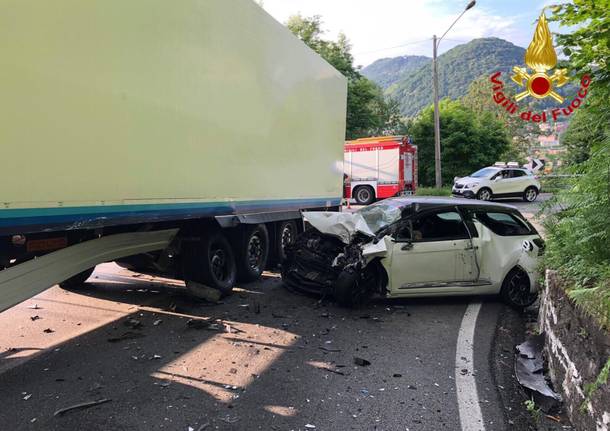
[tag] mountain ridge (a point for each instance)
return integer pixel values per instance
(457, 68)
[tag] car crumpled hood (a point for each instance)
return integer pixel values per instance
(344, 226)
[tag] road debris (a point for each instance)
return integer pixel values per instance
(27, 397)
(310, 426)
(332, 370)
(326, 349)
(34, 307)
(79, 406)
(361, 362)
(529, 367)
(34, 318)
(203, 324)
(48, 331)
(133, 323)
(157, 322)
(129, 335)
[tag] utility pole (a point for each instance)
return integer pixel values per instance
(437, 122)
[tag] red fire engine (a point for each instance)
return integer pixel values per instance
(379, 168)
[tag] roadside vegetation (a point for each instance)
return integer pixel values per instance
(578, 235)
(433, 191)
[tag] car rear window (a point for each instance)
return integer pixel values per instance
(504, 223)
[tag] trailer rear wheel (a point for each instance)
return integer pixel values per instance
(211, 262)
(77, 280)
(252, 251)
(286, 234)
(364, 195)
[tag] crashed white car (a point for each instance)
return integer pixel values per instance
(415, 247)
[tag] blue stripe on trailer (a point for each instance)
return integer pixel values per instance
(98, 216)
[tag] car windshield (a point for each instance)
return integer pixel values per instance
(380, 215)
(483, 173)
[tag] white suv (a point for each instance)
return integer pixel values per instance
(498, 182)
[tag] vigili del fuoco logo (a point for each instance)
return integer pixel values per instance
(534, 81)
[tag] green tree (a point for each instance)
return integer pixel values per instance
(584, 132)
(521, 134)
(578, 236)
(368, 112)
(469, 141)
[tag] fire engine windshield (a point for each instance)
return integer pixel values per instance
(380, 215)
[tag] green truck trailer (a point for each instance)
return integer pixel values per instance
(183, 138)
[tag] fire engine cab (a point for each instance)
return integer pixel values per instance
(379, 168)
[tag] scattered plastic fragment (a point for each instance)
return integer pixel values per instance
(529, 372)
(361, 362)
(79, 406)
(129, 335)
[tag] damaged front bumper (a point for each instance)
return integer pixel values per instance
(312, 263)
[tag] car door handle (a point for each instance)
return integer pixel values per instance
(407, 246)
(470, 247)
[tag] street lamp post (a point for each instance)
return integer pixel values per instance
(437, 122)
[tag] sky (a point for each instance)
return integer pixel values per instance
(391, 28)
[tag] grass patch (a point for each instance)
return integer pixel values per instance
(433, 191)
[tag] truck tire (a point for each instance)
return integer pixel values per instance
(252, 251)
(286, 235)
(211, 262)
(364, 195)
(77, 280)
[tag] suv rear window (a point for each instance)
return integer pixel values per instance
(504, 223)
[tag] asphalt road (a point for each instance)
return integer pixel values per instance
(266, 358)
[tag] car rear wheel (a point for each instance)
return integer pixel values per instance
(516, 289)
(364, 195)
(530, 194)
(484, 194)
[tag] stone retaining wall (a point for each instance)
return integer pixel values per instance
(576, 350)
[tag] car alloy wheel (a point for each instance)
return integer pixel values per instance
(531, 194)
(516, 289)
(484, 195)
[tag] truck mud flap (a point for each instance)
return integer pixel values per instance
(32, 277)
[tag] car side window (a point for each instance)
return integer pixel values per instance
(439, 226)
(501, 175)
(517, 173)
(503, 223)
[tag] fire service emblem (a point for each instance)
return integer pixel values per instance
(536, 82)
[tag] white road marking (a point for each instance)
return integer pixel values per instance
(471, 418)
